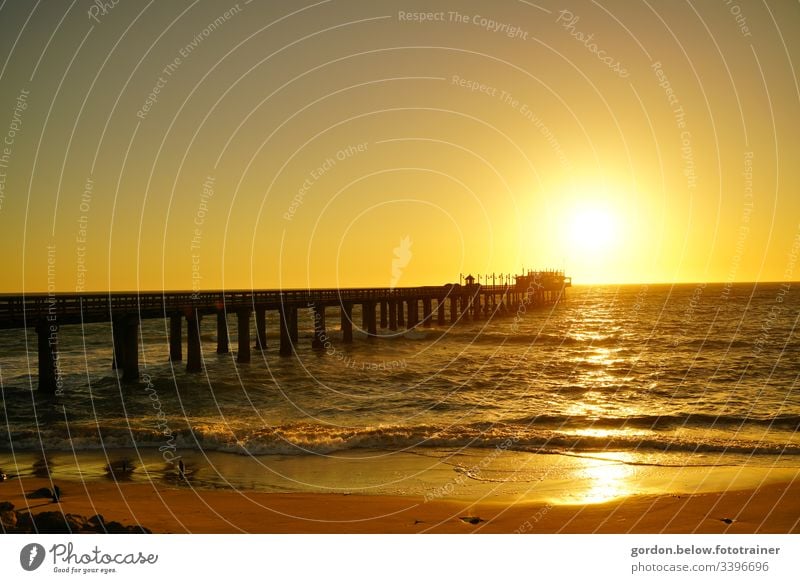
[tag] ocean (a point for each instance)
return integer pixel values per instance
(652, 375)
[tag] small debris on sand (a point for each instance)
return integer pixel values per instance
(471, 519)
(40, 493)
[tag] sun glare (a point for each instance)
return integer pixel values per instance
(592, 229)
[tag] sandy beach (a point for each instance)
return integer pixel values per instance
(773, 508)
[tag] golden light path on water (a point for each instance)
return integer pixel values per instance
(603, 480)
(605, 476)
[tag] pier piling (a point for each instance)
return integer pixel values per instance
(261, 328)
(117, 333)
(384, 314)
(368, 317)
(47, 341)
(130, 348)
(347, 322)
(288, 322)
(194, 360)
(318, 340)
(175, 330)
(413, 313)
(222, 333)
(426, 312)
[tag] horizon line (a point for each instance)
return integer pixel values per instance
(251, 289)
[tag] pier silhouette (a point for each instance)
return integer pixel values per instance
(387, 308)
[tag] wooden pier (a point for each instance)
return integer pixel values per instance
(387, 308)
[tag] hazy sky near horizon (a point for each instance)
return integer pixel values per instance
(199, 144)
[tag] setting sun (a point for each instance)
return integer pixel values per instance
(592, 229)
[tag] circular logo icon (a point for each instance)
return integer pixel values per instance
(31, 556)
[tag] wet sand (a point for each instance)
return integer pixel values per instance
(772, 508)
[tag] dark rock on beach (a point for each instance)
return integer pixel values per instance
(8, 518)
(52, 522)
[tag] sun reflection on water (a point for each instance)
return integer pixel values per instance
(602, 478)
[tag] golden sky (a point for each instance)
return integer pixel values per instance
(199, 144)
